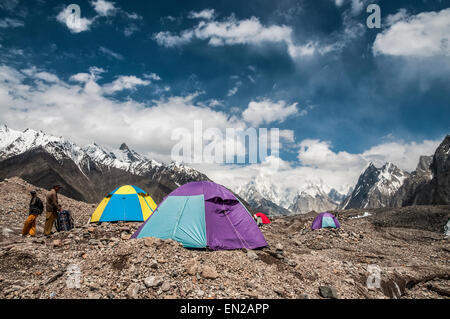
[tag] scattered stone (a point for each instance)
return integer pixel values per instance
(328, 292)
(252, 255)
(209, 273)
(153, 264)
(191, 267)
(57, 243)
(125, 236)
(165, 287)
(153, 282)
(133, 290)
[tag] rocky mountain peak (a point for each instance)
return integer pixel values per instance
(424, 163)
(376, 186)
(124, 147)
(441, 158)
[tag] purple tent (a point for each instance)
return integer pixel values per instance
(203, 214)
(323, 220)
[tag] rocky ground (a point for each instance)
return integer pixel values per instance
(407, 245)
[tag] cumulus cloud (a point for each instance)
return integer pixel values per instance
(356, 6)
(232, 31)
(152, 76)
(423, 35)
(206, 14)
(124, 82)
(104, 8)
(319, 154)
(267, 111)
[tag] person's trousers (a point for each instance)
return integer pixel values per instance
(29, 228)
(49, 221)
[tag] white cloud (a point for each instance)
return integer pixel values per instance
(35, 74)
(214, 103)
(75, 25)
(287, 135)
(267, 111)
(303, 50)
(111, 53)
(152, 76)
(167, 39)
(423, 35)
(232, 31)
(130, 29)
(104, 8)
(11, 23)
(318, 154)
(404, 155)
(402, 14)
(133, 16)
(124, 82)
(233, 91)
(206, 14)
(356, 6)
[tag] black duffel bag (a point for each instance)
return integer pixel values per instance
(64, 221)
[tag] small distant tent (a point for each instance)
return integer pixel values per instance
(125, 203)
(203, 214)
(264, 218)
(324, 220)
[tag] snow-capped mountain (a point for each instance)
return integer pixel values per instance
(313, 198)
(278, 199)
(43, 159)
(376, 187)
(14, 142)
(122, 158)
(266, 197)
(281, 196)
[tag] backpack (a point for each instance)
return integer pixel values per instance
(64, 221)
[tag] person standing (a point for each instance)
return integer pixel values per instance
(52, 207)
(36, 207)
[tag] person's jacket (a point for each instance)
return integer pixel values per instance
(36, 206)
(51, 204)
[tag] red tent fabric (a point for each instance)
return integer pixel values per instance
(264, 218)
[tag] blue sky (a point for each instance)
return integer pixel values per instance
(332, 85)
